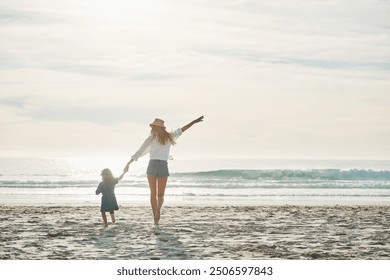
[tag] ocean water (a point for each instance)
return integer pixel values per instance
(59, 181)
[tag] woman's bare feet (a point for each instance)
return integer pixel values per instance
(156, 217)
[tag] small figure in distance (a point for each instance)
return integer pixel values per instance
(107, 189)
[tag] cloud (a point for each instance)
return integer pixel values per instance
(13, 102)
(265, 73)
(274, 58)
(97, 115)
(85, 69)
(153, 76)
(330, 34)
(341, 65)
(27, 17)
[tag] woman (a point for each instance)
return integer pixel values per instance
(158, 145)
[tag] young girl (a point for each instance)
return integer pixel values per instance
(107, 188)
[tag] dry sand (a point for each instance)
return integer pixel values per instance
(207, 232)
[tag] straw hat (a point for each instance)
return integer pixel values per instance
(157, 122)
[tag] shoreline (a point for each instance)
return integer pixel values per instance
(197, 232)
(47, 200)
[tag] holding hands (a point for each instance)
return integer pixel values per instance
(126, 169)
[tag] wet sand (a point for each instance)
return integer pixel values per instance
(197, 232)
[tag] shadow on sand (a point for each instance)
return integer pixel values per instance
(107, 237)
(169, 245)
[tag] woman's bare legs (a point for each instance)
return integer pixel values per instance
(157, 191)
(162, 183)
(153, 195)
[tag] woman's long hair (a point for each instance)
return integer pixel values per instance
(162, 136)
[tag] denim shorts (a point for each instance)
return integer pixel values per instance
(157, 168)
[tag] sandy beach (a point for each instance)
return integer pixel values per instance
(197, 232)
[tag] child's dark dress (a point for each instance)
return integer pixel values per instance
(108, 199)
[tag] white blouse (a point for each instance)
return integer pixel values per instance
(156, 150)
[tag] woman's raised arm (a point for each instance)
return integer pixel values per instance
(184, 128)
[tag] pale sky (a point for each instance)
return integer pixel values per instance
(274, 79)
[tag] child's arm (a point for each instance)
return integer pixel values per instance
(120, 177)
(126, 169)
(99, 189)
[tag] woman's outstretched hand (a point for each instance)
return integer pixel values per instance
(184, 128)
(200, 119)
